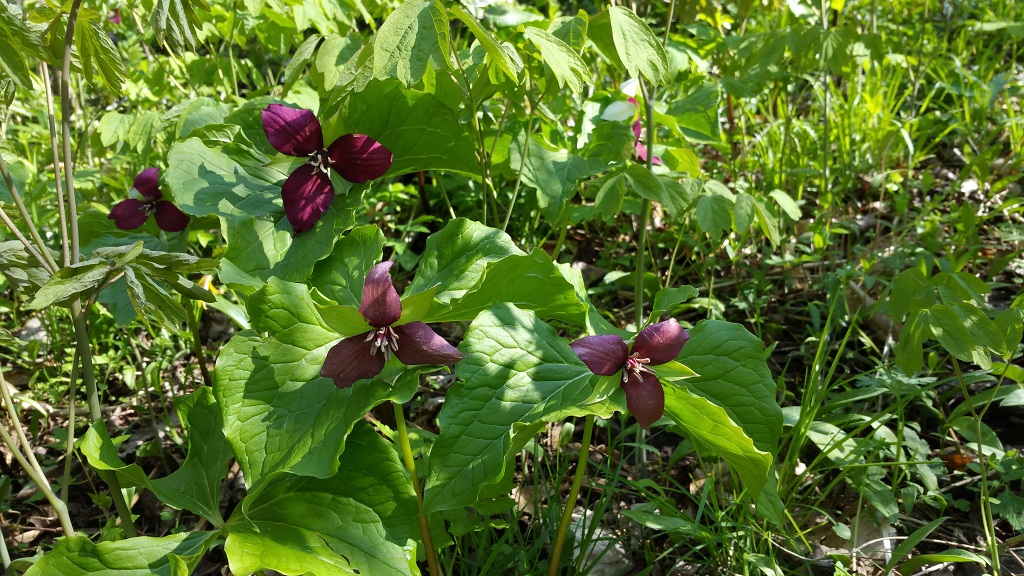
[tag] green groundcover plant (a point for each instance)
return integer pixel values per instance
(328, 337)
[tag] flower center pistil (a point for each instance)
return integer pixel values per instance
(635, 367)
(385, 340)
(320, 160)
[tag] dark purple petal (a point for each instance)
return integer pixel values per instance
(380, 305)
(129, 214)
(292, 131)
(661, 342)
(359, 158)
(636, 130)
(645, 398)
(604, 354)
(169, 218)
(148, 184)
(419, 344)
(350, 360)
(307, 193)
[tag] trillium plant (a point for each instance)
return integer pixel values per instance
(363, 356)
(308, 191)
(321, 339)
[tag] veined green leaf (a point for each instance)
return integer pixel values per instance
(517, 373)
(529, 281)
(566, 64)
(177, 21)
(415, 34)
(455, 258)
(362, 520)
(195, 484)
(488, 41)
(143, 556)
(629, 44)
(98, 54)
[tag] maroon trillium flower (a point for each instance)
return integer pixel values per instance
(308, 191)
(131, 213)
(363, 356)
(656, 344)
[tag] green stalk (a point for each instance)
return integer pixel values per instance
(410, 465)
(42, 255)
(56, 165)
(65, 122)
(4, 554)
(986, 505)
(72, 393)
(28, 461)
(197, 344)
(522, 161)
(78, 314)
(574, 492)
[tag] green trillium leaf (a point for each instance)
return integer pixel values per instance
(361, 520)
(517, 374)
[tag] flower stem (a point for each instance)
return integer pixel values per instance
(65, 249)
(574, 492)
(410, 465)
(25, 456)
(197, 343)
(65, 122)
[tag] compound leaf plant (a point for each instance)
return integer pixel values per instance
(327, 492)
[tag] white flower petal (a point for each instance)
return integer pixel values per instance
(629, 87)
(619, 111)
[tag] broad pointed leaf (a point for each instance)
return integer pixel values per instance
(420, 131)
(340, 276)
(529, 281)
(455, 257)
(518, 372)
(733, 374)
(195, 484)
(143, 556)
(415, 34)
(489, 42)
(361, 520)
(279, 413)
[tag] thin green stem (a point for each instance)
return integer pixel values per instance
(410, 465)
(4, 554)
(197, 344)
(43, 255)
(574, 492)
(65, 122)
(45, 70)
(26, 458)
(70, 450)
(522, 161)
(21, 238)
(991, 542)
